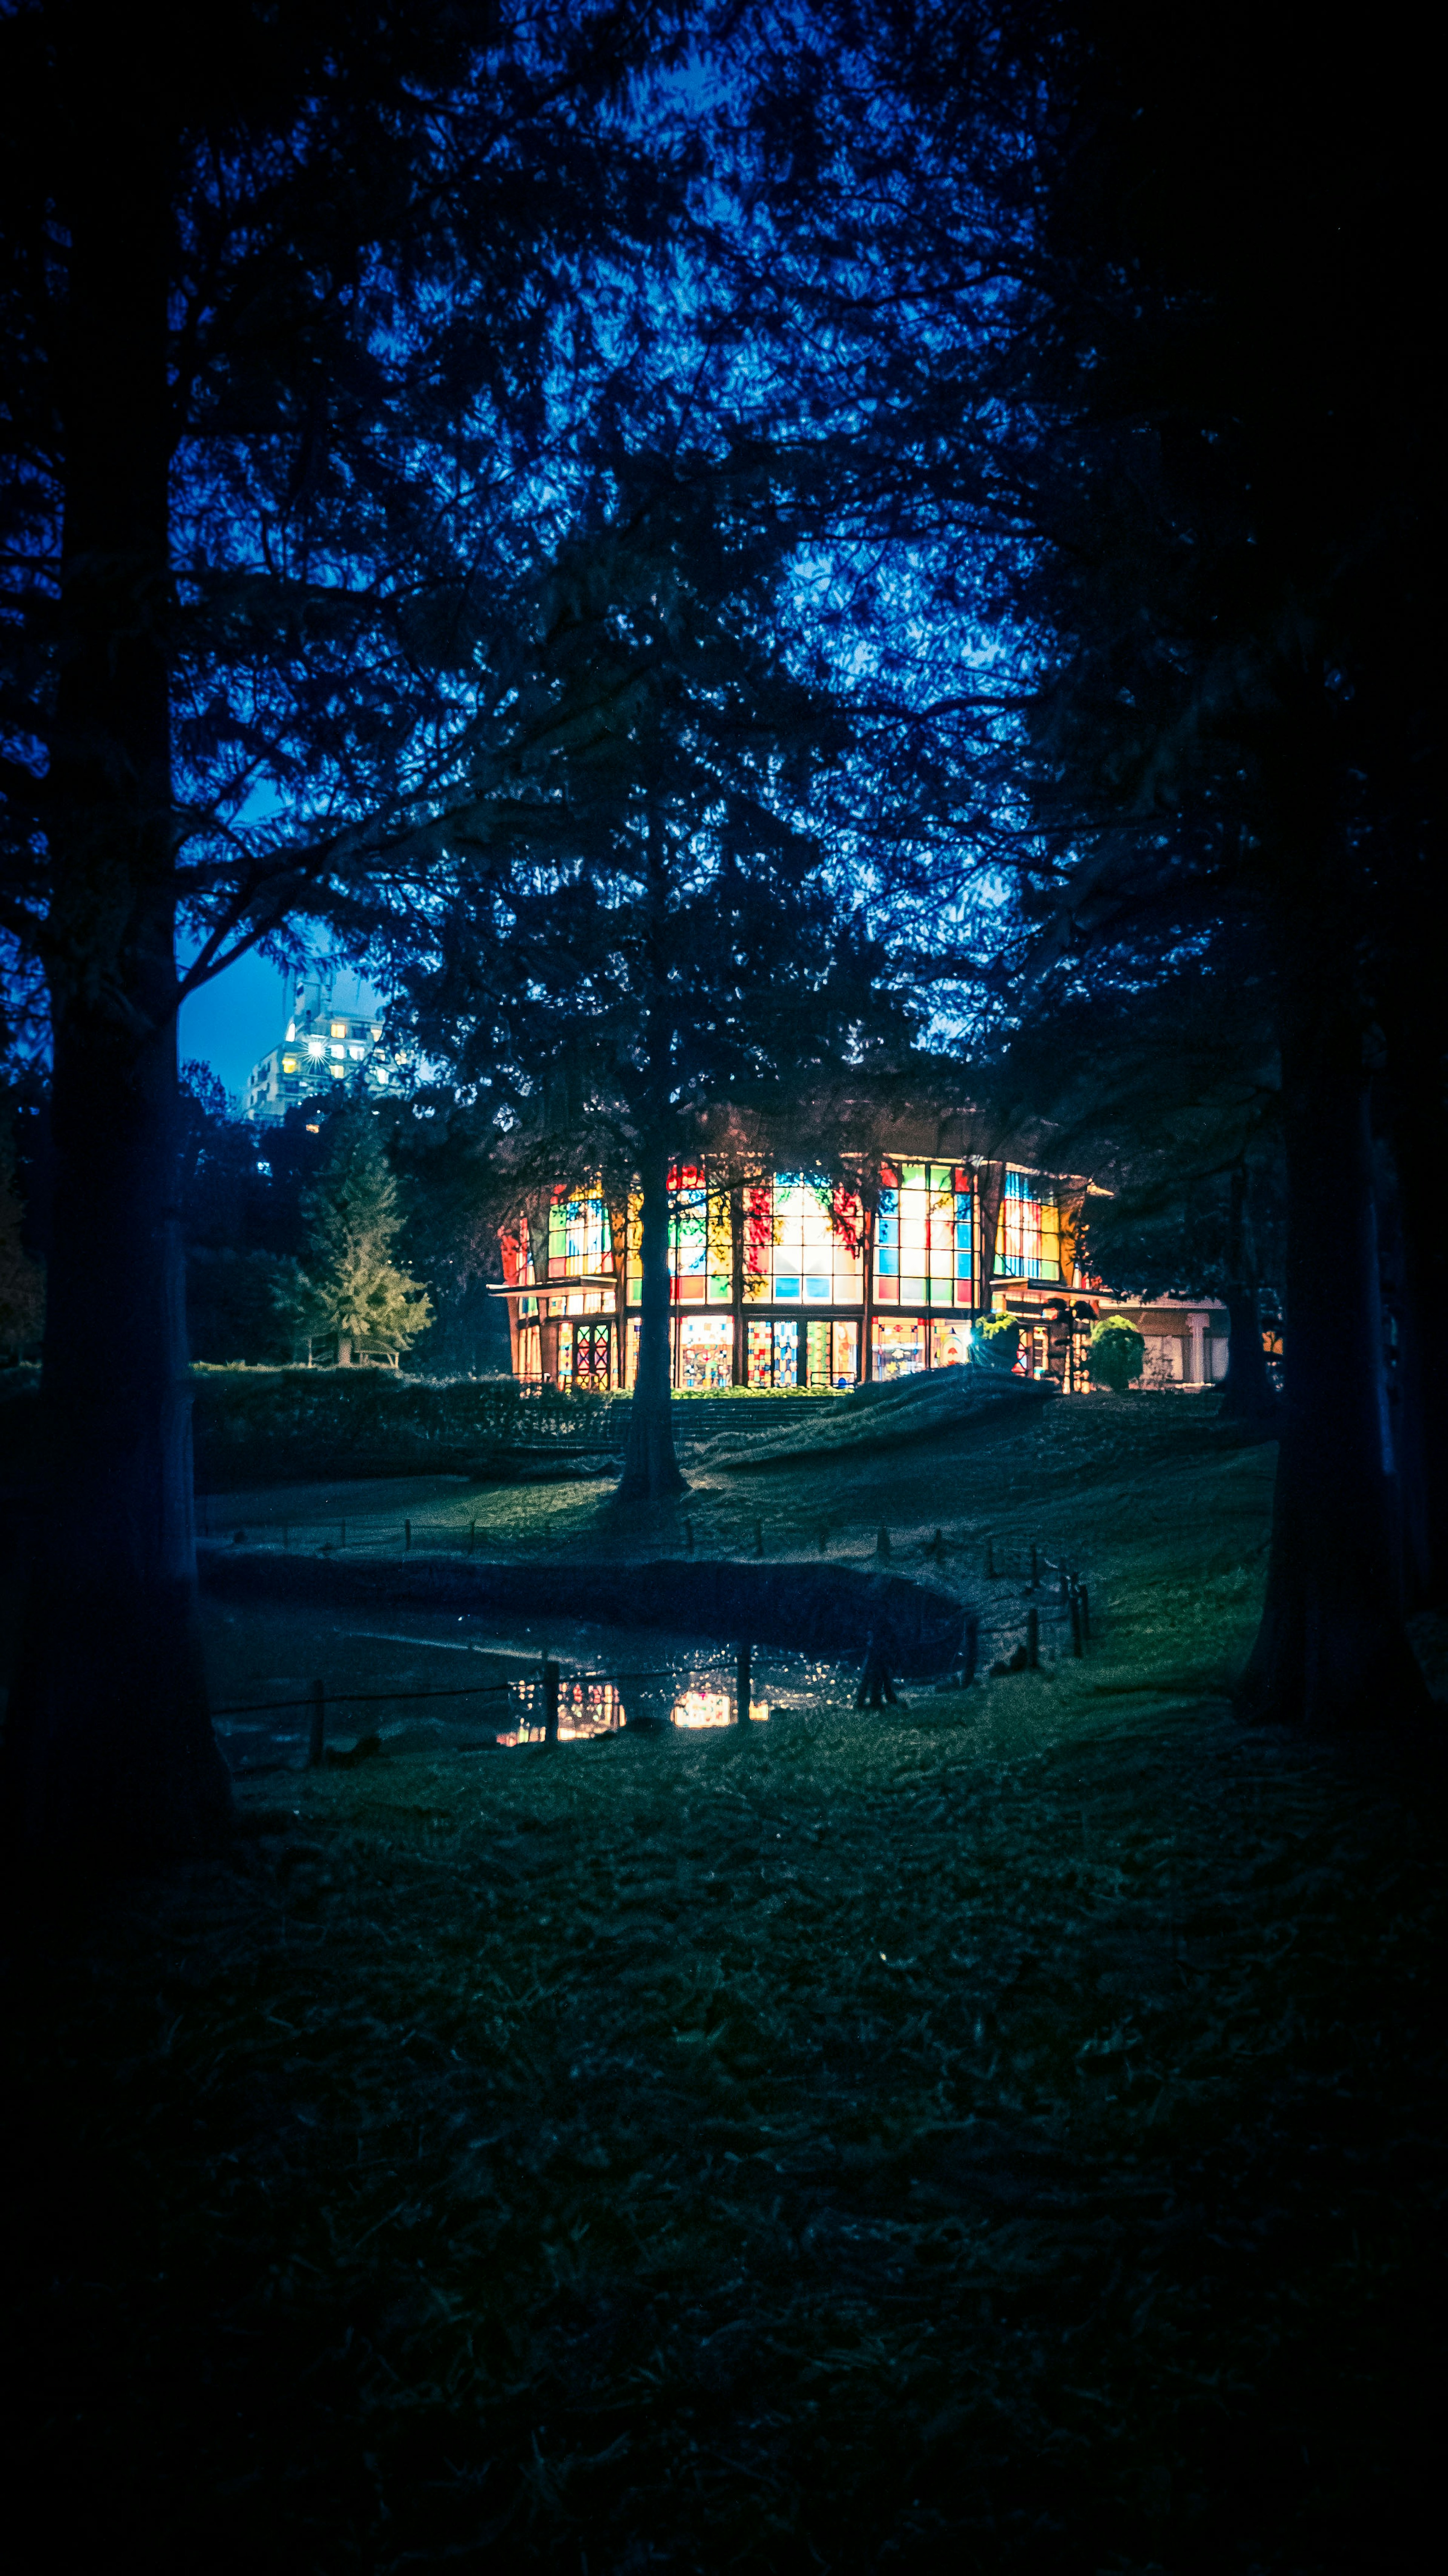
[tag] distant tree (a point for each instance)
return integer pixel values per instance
(242, 1306)
(1161, 1084)
(455, 1196)
(665, 938)
(352, 1292)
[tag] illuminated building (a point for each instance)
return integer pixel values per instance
(324, 1043)
(791, 1281)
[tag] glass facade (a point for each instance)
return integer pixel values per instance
(791, 1252)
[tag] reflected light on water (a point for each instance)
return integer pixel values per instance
(591, 1707)
(712, 1708)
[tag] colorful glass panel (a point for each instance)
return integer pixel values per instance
(924, 1243)
(578, 1237)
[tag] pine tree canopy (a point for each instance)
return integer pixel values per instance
(353, 1291)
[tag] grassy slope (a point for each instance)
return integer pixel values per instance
(538, 2160)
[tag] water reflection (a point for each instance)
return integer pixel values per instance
(589, 1705)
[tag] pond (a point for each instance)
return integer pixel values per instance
(434, 1679)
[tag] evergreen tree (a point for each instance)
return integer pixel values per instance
(353, 1294)
(666, 938)
(1176, 433)
(292, 299)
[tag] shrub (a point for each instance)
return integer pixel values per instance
(1116, 1353)
(996, 1343)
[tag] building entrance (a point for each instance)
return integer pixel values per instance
(592, 1356)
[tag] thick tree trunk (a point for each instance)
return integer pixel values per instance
(1418, 1131)
(1248, 1394)
(650, 1468)
(1247, 1391)
(109, 1750)
(1332, 1651)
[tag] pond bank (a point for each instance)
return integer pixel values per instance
(821, 1609)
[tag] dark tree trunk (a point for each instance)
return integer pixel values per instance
(650, 1468)
(1418, 1133)
(739, 1365)
(1248, 1394)
(990, 1190)
(1332, 1651)
(109, 1753)
(867, 1300)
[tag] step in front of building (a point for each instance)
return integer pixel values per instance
(700, 1417)
(697, 1417)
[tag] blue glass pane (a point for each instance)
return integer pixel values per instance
(889, 1200)
(962, 1238)
(786, 1287)
(962, 1265)
(888, 1230)
(815, 1286)
(889, 1265)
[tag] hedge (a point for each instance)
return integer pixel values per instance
(255, 1424)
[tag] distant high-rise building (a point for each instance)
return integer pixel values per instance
(325, 1042)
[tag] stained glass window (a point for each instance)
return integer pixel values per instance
(924, 1243)
(899, 1346)
(1029, 1241)
(578, 1237)
(688, 1233)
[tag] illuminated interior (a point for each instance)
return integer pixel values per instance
(768, 1277)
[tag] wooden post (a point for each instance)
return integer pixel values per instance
(876, 1688)
(317, 1740)
(689, 1536)
(550, 1701)
(824, 1538)
(1085, 1613)
(1033, 1639)
(743, 1681)
(759, 1538)
(882, 1544)
(472, 1537)
(1075, 1623)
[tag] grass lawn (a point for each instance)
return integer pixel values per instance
(1002, 2134)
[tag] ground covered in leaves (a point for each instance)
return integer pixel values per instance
(1004, 2134)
